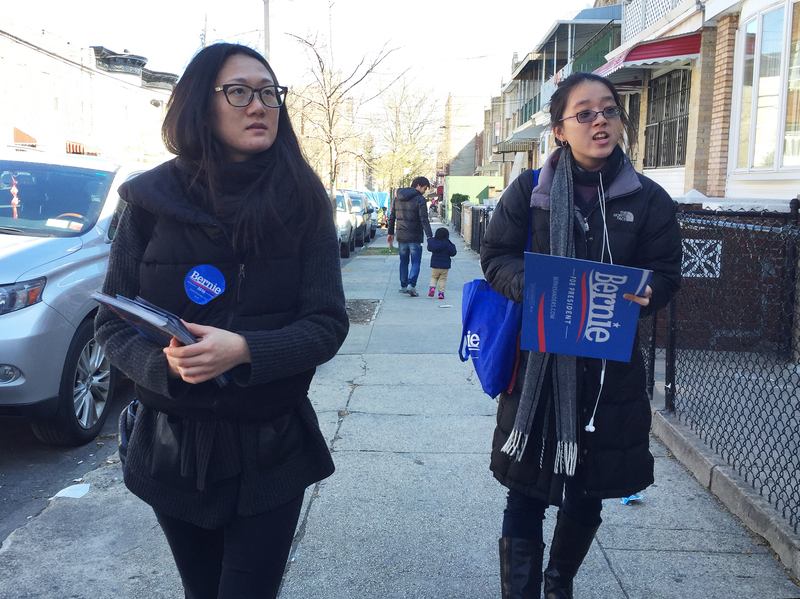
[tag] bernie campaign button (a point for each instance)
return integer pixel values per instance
(204, 283)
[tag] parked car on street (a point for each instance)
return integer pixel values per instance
(375, 224)
(366, 226)
(357, 214)
(345, 224)
(58, 216)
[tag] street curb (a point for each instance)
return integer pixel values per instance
(729, 487)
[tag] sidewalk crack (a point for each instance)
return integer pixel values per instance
(303, 523)
(611, 567)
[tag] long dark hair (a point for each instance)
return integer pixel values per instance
(187, 132)
(558, 103)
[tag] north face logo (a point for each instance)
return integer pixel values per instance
(624, 216)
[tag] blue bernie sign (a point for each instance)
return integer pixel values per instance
(575, 307)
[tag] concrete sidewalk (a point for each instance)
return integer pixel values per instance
(412, 510)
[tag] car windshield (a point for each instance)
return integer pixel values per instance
(340, 202)
(356, 199)
(50, 200)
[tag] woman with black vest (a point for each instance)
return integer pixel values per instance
(236, 236)
(575, 431)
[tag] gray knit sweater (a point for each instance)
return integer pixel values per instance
(222, 472)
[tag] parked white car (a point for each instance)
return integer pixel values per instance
(58, 216)
(345, 224)
(362, 211)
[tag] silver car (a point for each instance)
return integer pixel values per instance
(345, 225)
(58, 216)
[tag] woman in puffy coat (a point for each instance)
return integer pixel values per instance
(236, 236)
(575, 431)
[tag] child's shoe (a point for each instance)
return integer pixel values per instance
(441, 295)
(431, 290)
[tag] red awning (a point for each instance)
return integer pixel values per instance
(656, 52)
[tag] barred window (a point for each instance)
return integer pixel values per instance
(667, 120)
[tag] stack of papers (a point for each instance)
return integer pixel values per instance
(152, 322)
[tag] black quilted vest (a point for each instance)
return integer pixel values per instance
(261, 294)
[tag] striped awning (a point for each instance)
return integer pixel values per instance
(654, 53)
(525, 140)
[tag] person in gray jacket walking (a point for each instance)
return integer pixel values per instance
(410, 217)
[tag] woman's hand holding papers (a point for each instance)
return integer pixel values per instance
(216, 352)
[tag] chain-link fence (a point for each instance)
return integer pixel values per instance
(480, 219)
(729, 349)
(456, 220)
(733, 346)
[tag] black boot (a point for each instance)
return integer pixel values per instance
(521, 568)
(571, 542)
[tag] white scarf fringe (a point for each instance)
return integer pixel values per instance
(566, 452)
(515, 445)
(566, 458)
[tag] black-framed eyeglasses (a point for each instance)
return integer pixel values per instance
(590, 116)
(240, 95)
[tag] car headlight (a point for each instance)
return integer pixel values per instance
(21, 295)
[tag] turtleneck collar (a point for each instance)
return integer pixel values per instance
(622, 182)
(235, 182)
(610, 169)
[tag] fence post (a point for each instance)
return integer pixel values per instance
(791, 275)
(651, 358)
(669, 367)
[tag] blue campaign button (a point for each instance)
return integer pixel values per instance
(204, 283)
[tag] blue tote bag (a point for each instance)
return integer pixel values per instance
(490, 327)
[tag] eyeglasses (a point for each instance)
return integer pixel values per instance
(590, 116)
(240, 95)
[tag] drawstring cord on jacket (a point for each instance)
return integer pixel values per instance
(590, 428)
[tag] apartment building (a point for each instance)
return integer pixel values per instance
(713, 86)
(81, 100)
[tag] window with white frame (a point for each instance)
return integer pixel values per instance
(768, 129)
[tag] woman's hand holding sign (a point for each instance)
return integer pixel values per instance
(642, 300)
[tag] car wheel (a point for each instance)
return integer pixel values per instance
(85, 394)
(353, 242)
(360, 239)
(372, 233)
(344, 250)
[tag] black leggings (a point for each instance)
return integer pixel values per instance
(524, 515)
(245, 559)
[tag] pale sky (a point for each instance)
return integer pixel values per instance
(462, 47)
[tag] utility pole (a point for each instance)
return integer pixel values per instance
(266, 29)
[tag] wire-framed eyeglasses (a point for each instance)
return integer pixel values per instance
(240, 95)
(590, 116)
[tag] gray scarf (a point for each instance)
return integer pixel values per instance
(563, 371)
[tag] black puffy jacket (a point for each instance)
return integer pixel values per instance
(408, 220)
(615, 460)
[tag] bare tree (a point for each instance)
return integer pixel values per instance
(326, 108)
(408, 131)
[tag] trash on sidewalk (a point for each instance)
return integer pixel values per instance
(445, 305)
(73, 491)
(635, 498)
